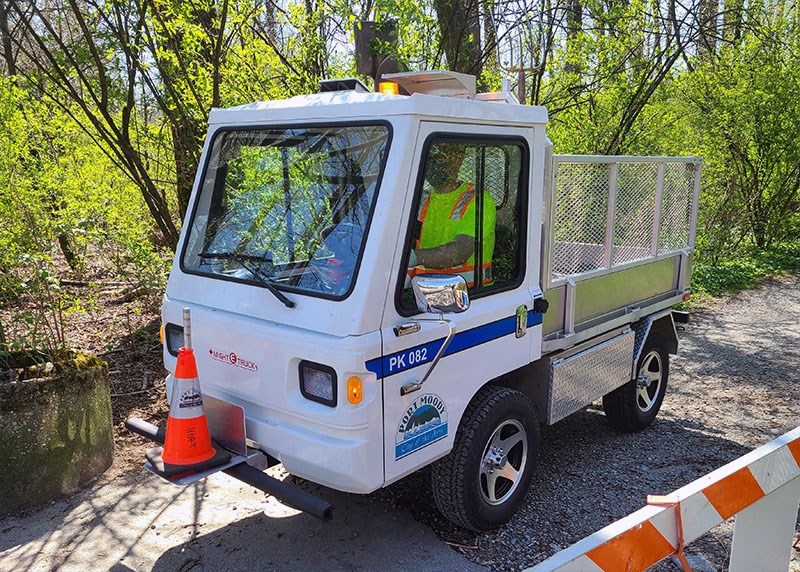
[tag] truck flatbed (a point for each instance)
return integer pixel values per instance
(619, 234)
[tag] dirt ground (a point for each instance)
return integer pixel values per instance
(734, 386)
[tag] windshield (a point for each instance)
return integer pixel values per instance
(287, 209)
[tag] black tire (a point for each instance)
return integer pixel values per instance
(459, 480)
(634, 406)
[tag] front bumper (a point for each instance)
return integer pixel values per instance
(348, 459)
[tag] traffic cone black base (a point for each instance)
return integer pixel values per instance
(221, 456)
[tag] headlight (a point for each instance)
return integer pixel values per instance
(174, 337)
(318, 383)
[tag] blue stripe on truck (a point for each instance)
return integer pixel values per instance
(421, 354)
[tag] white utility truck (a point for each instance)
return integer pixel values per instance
(380, 282)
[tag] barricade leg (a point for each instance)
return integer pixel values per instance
(762, 535)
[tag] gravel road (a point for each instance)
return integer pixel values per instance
(734, 386)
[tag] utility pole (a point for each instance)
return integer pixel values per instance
(520, 70)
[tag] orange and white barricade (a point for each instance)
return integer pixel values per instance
(761, 489)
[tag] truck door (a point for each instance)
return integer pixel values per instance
(468, 212)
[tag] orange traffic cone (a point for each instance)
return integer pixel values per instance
(187, 441)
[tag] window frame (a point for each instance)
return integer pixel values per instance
(507, 166)
(523, 190)
(255, 127)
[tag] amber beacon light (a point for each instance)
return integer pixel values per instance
(389, 87)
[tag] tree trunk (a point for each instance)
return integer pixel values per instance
(313, 44)
(460, 27)
(5, 39)
(489, 37)
(708, 10)
(188, 129)
(655, 9)
(187, 140)
(66, 249)
(544, 49)
(732, 20)
(574, 26)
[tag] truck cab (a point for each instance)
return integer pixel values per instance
(321, 228)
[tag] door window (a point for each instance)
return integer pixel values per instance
(468, 215)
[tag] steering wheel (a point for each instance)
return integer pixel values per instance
(329, 273)
(332, 271)
(334, 235)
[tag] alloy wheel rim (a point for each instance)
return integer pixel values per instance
(649, 381)
(503, 462)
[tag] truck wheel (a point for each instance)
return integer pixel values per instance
(635, 405)
(483, 480)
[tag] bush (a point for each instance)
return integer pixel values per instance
(67, 212)
(745, 270)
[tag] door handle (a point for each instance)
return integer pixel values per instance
(406, 328)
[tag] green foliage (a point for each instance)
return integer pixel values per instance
(67, 212)
(747, 125)
(101, 130)
(27, 203)
(746, 269)
(734, 105)
(605, 79)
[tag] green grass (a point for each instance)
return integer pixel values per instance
(745, 271)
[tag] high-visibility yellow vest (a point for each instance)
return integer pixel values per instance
(446, 215)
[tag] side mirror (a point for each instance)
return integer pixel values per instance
(440, 293)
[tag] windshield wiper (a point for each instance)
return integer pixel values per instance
(237, 256)
(244, 260)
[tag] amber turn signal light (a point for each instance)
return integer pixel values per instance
(355, 392)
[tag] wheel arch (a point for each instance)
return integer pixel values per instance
(660, 324)
(531, 380)
(458, 479)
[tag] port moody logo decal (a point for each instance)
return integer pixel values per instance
(232, 359)
(424, 422)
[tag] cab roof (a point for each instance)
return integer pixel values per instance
(355, 106)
